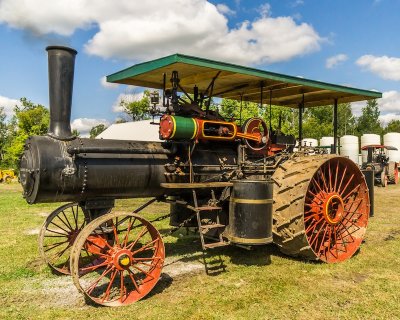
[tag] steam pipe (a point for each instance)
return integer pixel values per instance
(61, 78)
(117, 150)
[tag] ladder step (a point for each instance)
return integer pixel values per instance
(208, 208)
(205, 228)
(215, 245)
(212, 226)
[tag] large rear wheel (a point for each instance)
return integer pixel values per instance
(321, 208)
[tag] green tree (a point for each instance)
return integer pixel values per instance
(76, 133)
(369, 122)
(346, 120)
(393, 126)
(29, 119)
(96, 130)
(237, 111)
(318, 121)
(3, 133)
(139, 109)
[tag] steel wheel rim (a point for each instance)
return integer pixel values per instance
(335, 229)
(119, 264)
(58, 234)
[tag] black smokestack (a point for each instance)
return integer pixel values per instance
(61, 79)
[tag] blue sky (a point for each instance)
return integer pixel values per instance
(353, 43)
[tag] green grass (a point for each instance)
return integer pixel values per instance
(257, 284)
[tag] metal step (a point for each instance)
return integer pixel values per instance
(208, 208)
(215, 245)
(207, 227)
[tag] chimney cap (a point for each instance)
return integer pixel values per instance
(61, 48)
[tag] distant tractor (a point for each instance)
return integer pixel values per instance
(385, 171)
(7, 175)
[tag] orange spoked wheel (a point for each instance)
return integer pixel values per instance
(58, 234)
(322, 208)
(258, 127)
(117, 259)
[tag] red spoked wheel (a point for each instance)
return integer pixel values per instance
(117, 259)
(58, 234)
(321, 208)
(256, 126)
(336, 210)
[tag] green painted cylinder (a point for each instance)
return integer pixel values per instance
(184, 128)
(175, 127)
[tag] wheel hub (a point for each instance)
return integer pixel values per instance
(122, 259)
(333, 209)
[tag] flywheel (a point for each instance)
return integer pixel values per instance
(321, 208)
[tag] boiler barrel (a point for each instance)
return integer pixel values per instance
(250, 212)
(53, 171)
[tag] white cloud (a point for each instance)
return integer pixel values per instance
(389, 105)
(127, 97)
(9, 104)
(83, 125)
(61, 17)
(297, 3)
(224, 9)
(334, 61)
(156, 28)
(390, 101)
(384, 66)
(385, 119)
(108, 85)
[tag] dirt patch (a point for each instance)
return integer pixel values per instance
(359, 277)
(32, 232)
(175, 268)
(43, 214)
(55, 292)
(392, 235)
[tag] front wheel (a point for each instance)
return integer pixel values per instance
(117, 259)
(57, 235)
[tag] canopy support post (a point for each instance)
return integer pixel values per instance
(301, 109)
(335, 126)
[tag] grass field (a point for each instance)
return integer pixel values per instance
(258, 284)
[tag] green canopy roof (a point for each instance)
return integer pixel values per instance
(238, 82)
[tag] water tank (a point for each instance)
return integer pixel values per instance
(349, 147)
(309, 142)
(368, 139)
(326, 142)
(393, 139)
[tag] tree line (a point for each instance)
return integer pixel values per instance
(33, 119)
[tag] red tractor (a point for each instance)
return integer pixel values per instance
(385, 171)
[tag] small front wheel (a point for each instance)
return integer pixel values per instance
(117, 259)
(57, 235)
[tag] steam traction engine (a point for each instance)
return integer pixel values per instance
(237, 184)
